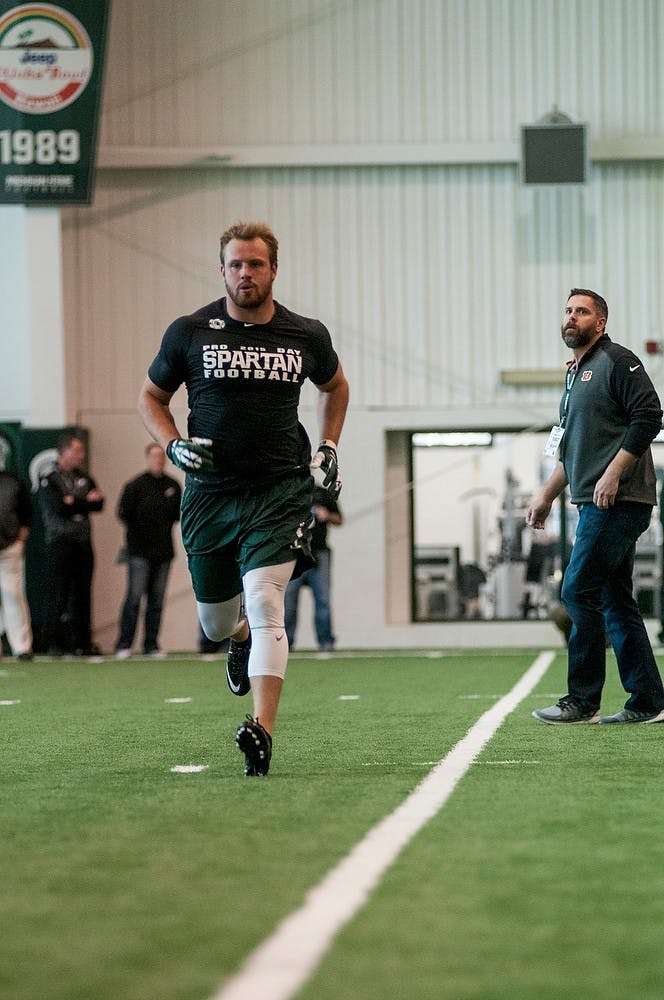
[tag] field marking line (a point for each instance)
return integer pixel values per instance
(283, 963)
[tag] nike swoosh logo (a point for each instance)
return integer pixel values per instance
(633, 369)
(250, 324)
(279, 637)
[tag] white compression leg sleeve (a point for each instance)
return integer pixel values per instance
(220, 620)
(264, 591)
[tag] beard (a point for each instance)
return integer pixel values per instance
(248, 298)
(574, 337)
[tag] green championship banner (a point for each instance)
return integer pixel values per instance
(51, 67)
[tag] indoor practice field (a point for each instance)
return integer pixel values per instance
(541, 875)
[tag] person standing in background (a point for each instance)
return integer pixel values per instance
(149, 506)
(67, 496)
(15, 523)
(326, 512)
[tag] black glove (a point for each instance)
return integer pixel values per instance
(190, 454)
(325, 462)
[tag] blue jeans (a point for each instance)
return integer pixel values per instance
(149, 579)
(318, 578)
(597, 592)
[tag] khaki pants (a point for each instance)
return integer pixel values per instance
(15, 612)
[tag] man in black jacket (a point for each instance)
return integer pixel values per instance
(149, 507)
(609, 415)
(67, 497)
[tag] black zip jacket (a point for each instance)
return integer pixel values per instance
(611, 404)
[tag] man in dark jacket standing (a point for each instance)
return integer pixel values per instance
(609, 415)
(149, 507)
(67, 497)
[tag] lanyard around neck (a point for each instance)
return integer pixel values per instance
(569, 382)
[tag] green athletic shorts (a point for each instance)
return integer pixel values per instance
(226, 536)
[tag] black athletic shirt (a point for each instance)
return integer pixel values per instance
(243, 384)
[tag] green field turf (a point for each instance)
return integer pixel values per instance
(541, 877)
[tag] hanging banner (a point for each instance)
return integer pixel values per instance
(51, 67)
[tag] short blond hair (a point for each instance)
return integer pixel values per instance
(250, 231)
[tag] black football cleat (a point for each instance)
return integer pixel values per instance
(256, 744)
(237, 667)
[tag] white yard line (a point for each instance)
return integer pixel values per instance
(280, 966)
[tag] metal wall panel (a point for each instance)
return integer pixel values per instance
(431, 279)
(215, 72)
